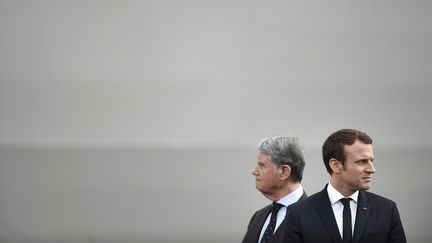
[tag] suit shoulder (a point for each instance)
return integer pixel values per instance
(265, 210)
(373, 197)
(307, 202)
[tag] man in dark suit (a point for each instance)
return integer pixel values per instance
(344, 211)
(278, 173)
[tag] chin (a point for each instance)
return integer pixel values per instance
(365, 187)
(258, 187)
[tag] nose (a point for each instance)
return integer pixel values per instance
(254, 171)
(371, 168)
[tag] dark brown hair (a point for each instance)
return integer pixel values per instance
(333, 146)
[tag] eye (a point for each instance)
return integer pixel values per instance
(361, 162)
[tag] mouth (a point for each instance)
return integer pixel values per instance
(367, 179)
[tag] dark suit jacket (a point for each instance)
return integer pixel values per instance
(313, 221)
(257, 221)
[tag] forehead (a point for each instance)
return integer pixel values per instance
(263, 157)
(358, 149)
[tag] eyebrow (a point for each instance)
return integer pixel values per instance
(366, 159)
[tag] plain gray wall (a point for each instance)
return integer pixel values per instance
(137, 121)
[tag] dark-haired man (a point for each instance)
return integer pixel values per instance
(344, 211)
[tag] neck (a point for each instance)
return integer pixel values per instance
(340, 187)
(282, 192)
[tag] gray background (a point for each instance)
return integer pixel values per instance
(137, 121)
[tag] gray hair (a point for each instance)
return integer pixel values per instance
(285, 150)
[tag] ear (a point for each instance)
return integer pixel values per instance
(335, 165)
(285, 172)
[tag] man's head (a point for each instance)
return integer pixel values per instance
(348, 157)
(280, 161)
(334, 146)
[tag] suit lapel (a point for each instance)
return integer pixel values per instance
(363, 209)
(304, 195)
(260, 222)
(327, 216)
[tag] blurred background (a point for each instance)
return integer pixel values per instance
(137, 121)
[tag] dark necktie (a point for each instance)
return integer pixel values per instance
(347, 232)
(272, 224)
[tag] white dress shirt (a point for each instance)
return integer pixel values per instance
(337, 207)
(285, 201)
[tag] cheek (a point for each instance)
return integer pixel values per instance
(355, 174)
(271, 176)
(267, 176)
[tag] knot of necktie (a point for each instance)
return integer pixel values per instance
(345, 201)
(276, 206)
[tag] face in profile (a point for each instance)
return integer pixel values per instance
(267, 175)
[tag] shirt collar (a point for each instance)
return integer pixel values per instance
(335, 195)
(292, 197)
